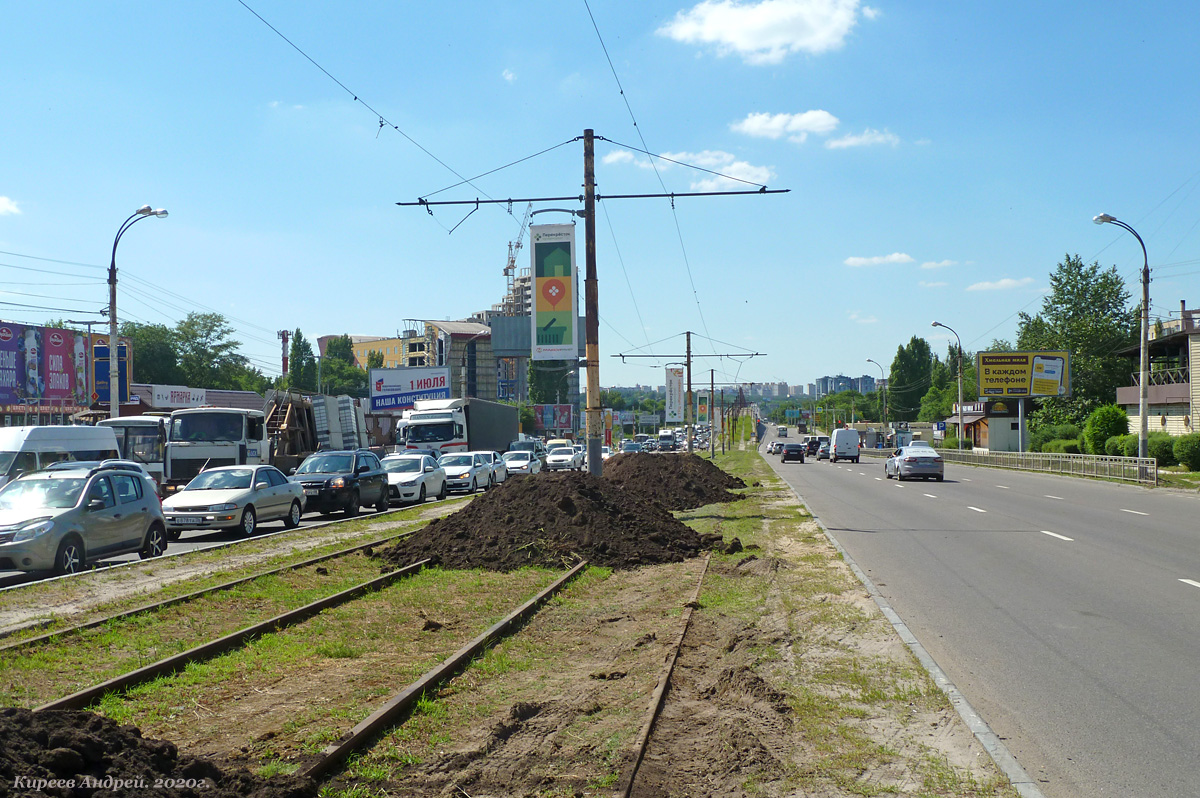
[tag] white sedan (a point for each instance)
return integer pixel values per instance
(564, 458)
(466, 472)
(496, 464)
(234, 497)
(414, 477)
(522, 462)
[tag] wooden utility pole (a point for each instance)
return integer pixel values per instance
(687, 413)
(595, 435)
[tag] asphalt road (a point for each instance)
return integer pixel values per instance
(1066, 610)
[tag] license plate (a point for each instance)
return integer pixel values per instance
(188, 519)
(311, 491)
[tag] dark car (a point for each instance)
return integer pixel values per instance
(811, 446)
(343, 480)
(792, 451)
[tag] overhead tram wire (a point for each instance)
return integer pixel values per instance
(383, 121)
(624, 271)
(633, 118)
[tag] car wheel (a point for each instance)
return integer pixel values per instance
(421, 495)
(939, 477)
(383, 505)
(473, 487)
(352, 505)
(156, 543)
(292, 519)
(443, 492)
(249, 522)
(71, 557)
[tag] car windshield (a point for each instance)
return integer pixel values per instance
(327, 464)
(58, 493)
(233, 479)
(525, 446)
(521, 456)
(565, 451)
(431, 433)
(206, 427)
(407, 465)
(457, 460)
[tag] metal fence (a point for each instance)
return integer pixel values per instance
(1128, 469)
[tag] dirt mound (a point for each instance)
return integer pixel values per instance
(553, 520)
(677, 482)
(83, 754)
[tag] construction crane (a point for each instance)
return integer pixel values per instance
(510, 268)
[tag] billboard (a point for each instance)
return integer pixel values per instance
(675, 394)
(43, 367)
(702, 409)
(555, 294)
(398, 389)
(553, 417)
(100, 371)
(1023, 373)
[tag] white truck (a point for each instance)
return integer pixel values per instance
(205, 437)
(461, 425)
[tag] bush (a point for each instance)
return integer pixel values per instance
(1051, 432)
(1062, 446)
(1161, 446)
(1112, 446)
(951, 442)
(1129, 445)
(1103, 423)
(1187, 451)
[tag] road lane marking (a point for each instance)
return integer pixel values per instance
(1002, 487)
(1134, 512)
(1190, 582)
(966, 480)
(879, 479)
(976, 509)
(1056, 535)
(1048, 496)
(930, 495)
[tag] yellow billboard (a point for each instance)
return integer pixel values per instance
(1023, 373)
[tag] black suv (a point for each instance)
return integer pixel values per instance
(343, 480)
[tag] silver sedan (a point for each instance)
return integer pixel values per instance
(911, 462)
(234, 497)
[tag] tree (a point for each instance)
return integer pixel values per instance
(374, 359)
(302, 364)
(1086, 314)
(155, 357)
(549, 381)
(341, 348)
(909, 379)
(207, 355)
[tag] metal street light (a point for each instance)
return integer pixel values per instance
(883, 388)
(1144, 378)
(960, 394)
(114, 363)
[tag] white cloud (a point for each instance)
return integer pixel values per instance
(618, 156)
(1005, 284)
(927, 284)
(867, 138)
(8, 206)
(871, 13)
(938, 264)
(508, 75)
(860, 319)
(765, 32)
(878, 260)
(714, 160)
(796, 126)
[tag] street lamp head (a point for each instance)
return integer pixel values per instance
(161, 213)
(144, 210)
(936, 324)
(1102, 218)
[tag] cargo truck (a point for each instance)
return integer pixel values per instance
(461, 425)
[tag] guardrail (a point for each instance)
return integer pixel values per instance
(1143, 470)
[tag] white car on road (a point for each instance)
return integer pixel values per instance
(466, 472)
(414, 477)
(496, 464)
(234, 497)
(564, 458)
(522, 462)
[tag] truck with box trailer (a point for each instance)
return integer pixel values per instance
(461, 425)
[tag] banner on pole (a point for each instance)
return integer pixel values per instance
(675, 394)
(555, 294)
(702, 409)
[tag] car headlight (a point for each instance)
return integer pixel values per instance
(338, 482)
(31, 529)
(216, 508)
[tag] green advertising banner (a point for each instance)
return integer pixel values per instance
(555, 298)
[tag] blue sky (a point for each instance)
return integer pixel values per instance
(942, 158)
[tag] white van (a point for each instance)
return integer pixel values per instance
(24, 450)
(843, 445)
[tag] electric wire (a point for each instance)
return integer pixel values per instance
(632, 294)
(501, 168)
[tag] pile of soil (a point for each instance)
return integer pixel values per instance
(677, 482)
(64, 753)
(551, 520)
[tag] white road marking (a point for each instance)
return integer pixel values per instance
(966, 480)
(1002, 487)
(930, 495)
(1056, 535)
(1048, 496)
(1190, 582)
(976, 509)
(1134, 512)
(879, 479)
